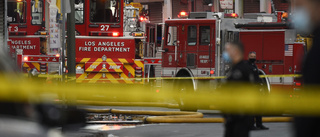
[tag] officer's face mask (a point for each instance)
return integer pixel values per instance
(302, 20)
(226, 57)
(252, 60)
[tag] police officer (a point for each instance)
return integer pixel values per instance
(237, 124)
(256, 119)
(306, 20)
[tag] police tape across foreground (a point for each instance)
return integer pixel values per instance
(239, 98)
(165, 78)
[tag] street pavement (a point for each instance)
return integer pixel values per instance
(184, 129)
(196, 130)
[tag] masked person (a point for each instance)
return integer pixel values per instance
(241, 73)
(256, 119)
(306, 20)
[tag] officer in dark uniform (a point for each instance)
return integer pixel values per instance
(256, 119)
(237, 125)
(307, 21)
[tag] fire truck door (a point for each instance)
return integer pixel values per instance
(189, 46)
(205, 49)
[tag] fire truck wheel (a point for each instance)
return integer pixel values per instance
(185, 94)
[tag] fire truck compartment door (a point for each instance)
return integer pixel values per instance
(103, 67)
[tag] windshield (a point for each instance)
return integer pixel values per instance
(16, 12)
(36, 12)
(79, 11)
(104, 11)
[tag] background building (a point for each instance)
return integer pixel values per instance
(162, 9)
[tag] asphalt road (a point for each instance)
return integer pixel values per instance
(196, 130)
(185, 129)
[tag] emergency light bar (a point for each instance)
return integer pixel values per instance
(231, 15)
(183, 14)
(111, 34)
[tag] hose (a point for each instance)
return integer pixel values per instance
(177, 116)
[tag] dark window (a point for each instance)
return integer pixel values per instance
(36, 12)
(104, 11)
(16, 12)
(205, 35)
(192, 35)
(79, 11)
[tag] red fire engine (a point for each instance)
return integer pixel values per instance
(110, 42)
(27, 32)
(192, 48)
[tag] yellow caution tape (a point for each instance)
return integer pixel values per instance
(164, 78)
(230, 98)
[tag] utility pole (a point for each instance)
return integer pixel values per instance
(63, 58)
(71, 50)
(5, 29)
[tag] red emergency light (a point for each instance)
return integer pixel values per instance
(141, 18)
(211, 72)
(115, 34)
(25, 59)
(58, 55)
(183, 14)
(231, 15)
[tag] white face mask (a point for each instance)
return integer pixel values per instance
(302, 21)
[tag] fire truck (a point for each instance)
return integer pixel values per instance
(193, 45)
(111, 39)
(26, 30)
(111, 42)
(27, 33)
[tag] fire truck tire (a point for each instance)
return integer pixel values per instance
(185, 93)
(265, 83)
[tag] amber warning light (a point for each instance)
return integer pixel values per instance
(115, 34)
(231, 15)
(25, 59)
(183, 14)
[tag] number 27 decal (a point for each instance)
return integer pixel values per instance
(104, 27)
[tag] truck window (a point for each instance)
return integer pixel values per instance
(172, 35)
(204, 35)
(104, 11)
(79, 12)
(192, 35)
(36, 12)
(16, 12)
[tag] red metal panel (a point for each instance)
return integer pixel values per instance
(288, 63)
(298, 53)
(252, 41)
(111, 48)
(276, 69)
(30, 46)
(273, 46)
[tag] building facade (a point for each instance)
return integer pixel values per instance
(160, 10)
